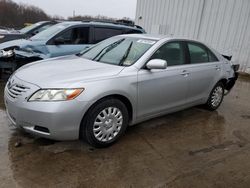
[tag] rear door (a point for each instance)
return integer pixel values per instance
(162, 90)
(74, 40)
(204, 71)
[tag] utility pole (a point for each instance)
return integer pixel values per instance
(74, 13)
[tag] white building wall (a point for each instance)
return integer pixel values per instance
(223, 24)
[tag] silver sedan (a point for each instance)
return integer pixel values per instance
(121, 81)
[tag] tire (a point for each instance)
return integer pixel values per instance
(105, 123)
(216, 97)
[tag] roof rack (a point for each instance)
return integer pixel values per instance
(117, 22)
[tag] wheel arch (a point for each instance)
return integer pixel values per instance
(223, 81)
(120, 97)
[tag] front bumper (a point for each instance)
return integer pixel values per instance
(53, 120)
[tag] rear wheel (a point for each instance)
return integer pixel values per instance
(105, 122)
(216, 97)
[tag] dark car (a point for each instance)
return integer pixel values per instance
(7, 34)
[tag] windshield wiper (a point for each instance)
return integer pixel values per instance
(85, 50)
(126, 53)
(107, 49)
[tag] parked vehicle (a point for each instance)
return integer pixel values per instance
(26, 32)
(62, 39)
(121, 81)
(4, 30)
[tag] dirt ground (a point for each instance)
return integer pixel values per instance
(191, 148)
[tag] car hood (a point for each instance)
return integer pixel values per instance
(65, 72)
(21, 43)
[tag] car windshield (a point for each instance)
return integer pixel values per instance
(50, 32)
(123, 51)
(29, 28)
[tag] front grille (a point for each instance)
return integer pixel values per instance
(16, 90)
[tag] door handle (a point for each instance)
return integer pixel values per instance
(185, 73)
(217, 68)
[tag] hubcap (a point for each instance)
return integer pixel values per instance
(217, 96)
(108, 124)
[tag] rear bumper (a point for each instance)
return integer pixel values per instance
(231, 81)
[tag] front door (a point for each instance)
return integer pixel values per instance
(69, 42)
(162, 90)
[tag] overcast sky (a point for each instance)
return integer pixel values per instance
(65, 8)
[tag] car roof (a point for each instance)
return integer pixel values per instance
(96, 23)
(147, 36)
(160, 37)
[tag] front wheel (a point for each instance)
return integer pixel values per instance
(105, 122)
(216, 97)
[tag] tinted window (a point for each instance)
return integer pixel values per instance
(75, 36)
(198, 53)
(132, 31)
(104, 33)
(171, 52)
(66, 36)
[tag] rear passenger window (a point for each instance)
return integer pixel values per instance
(212, 57)
(198, 53)
(104, 33)
(171, 52)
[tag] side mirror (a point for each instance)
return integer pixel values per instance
(59, 41)
(157, 64)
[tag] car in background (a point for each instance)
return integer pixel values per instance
(121, 81)
(4, 30)
(26, 32)
(62, 39)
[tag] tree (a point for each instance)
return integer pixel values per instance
(15, 15)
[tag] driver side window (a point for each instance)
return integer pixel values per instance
(171, 52)
(75, 36)
(65, 37)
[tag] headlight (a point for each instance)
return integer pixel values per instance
(2, 36)
(55, 94)
(8, 53)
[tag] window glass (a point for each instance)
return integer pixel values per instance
(171, 52)
(66, 37)
(42, 28)
(75, 36)
(212, 57)
(50, 32)
(29, 28)
(132, 31)
(104, 33)
(198, 53)
(80, 35)
(118, 50)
